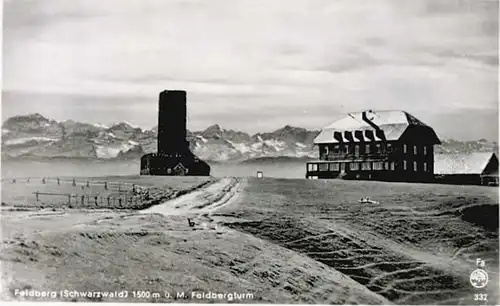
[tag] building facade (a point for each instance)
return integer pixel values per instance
(384, 145)
(473, 168)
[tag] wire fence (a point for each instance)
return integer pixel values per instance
(72, 192)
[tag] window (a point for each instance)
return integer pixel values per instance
(393, 166)
(389, 147)
(356, 150)
(425, 150)
(366, 166)
(309, 167)
(415, 151)
(404, 164)
(342, 167)
(378, 148)
(323, 167)
(425, 166)
(327, 150)
(378, 166)
(354, 166)
(334, 167)
(336, 149)
(313, 167)
(386, 166)
(404, 148)
(367, 149)
(346, 149)
(415, 168)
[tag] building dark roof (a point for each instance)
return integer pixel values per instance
(462, 163)
(393, 123)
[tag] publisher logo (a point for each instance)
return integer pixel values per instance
(479, 278)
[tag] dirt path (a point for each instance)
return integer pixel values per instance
(199, 205)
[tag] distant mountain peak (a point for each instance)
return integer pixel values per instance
(32, 117)
(213, 131)
(214, 128)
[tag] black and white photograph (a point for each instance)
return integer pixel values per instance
(331, 152)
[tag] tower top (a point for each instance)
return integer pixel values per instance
(173, 91)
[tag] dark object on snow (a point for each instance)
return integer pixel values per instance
(191, 223)
(174, 156)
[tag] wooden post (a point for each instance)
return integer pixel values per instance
(88, 184)
(105, 185)
(83, 199)
(95, 200)
(36, 193)
(108, 200)
(58, 181)
(74, 182)
(120, 201)
(43, 181)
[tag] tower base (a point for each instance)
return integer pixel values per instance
(173, 165)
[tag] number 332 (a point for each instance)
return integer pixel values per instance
(480, 297)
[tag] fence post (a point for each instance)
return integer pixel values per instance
(95, 200)
(74, 182)
(13, 181)
(88, 185)
(58, 181)
(28, 180)
(36, 193)
(105, 185)
(43, 181)
(120, 202)
(83, 199)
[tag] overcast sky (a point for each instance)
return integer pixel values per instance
(254, 65)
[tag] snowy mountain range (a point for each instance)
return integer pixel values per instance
(35, 136)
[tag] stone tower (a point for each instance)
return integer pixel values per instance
(173, 156)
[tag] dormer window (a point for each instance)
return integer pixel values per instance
(405, 148)
(425, 150)
(415, 150)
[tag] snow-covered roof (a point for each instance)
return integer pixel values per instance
(462, 163)
(392, 123)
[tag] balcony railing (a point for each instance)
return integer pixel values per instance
(347, 156)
